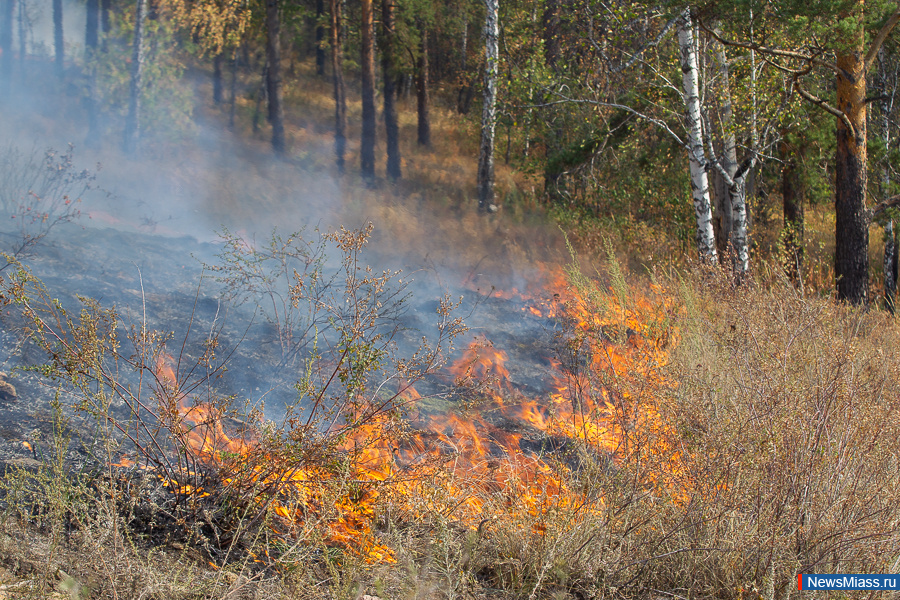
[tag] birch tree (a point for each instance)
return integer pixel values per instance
(489, 110)
(842, 43)
(133, 120)
(690, 77)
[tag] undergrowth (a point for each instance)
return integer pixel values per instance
(709, 442)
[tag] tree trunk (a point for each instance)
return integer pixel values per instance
(728, 161)
(367, 57)
(390, 90)
(233, 93)
(890, 266)
(273, 76)
(218, 82)
(133, 121)
(489, 110)
(851, 258)
(91, 42)
(6, 43)
(551, 33)
(23, 40)
(58, 37)
(792, 195)
(105, 24)
(340, 98)
(424, 120)
(706, 243)
(464, 93)
(320, 38)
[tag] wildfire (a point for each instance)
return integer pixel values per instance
(477, 463)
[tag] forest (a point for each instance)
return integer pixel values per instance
(419, 299)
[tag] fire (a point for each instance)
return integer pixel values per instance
(493, 461)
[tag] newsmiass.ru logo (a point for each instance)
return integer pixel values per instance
(808, 583)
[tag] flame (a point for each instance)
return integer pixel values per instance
(474, 465)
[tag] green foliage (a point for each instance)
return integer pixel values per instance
(166, 104)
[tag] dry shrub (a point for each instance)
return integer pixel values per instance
(787, 412)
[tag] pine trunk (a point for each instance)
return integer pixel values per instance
(392, 131)
(423, 136)
(232, 97)
(58, 37)
(851, 258)
(320, 38)
(489, 109)
(133, 121)
(273, 76)
(367, 57)
(706, 243)
(340, 99)
(218, 81)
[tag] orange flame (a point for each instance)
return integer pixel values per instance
(477, 457)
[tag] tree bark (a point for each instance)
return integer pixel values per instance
(706, 243)
(464, 93)
(6, 43)
(232, 97)
(274, 77)
(218, 81)
(58, 38)
(890, 266)
(423, 130)
(91, 42)
(489, 109)
(723, 219)
(340, 98)
(133, 120)
(367, 57)
(320, 38)
(792, 195)
(23, 40)
(851, 258)
(391, 126)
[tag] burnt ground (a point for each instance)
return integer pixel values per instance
(160, 278)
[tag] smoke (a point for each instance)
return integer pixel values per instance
(152, 218)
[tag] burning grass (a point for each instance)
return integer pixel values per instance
(690, 440)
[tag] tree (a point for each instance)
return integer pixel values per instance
(91, 43)
(838, 45)
(423, 124)
(390, 86)
(340, 98)
(320, 37)
(274, 76)
(489, 109)
(367, 64)
(58, 37)
(133, 120)
(6, 42)
(706, 242)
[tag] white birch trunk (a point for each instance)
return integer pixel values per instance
(706, 242)
(489, 111)
(133, 120)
